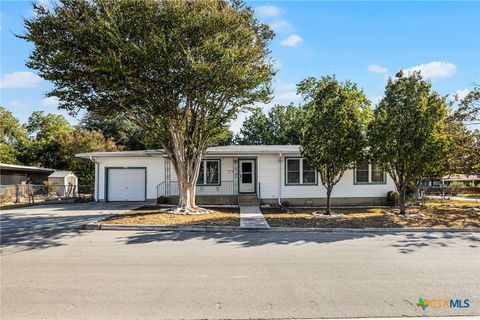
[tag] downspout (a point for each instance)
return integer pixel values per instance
(97, 173)
(279, 197)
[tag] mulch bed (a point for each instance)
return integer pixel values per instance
(149, 216)
(433, 215)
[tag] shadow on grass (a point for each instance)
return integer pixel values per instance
(404, 242)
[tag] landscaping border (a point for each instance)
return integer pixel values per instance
(200, 228)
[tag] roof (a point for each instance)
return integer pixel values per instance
(14, 167)
(137, 153)
(254, 149)
(221, 150)
(460, 177)
(61, 174)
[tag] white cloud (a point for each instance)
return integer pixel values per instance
(20, 79)
(375, 68)
(16, 104)
(291, 41)
(280, 25)
(268, 11)
(285, 93)
(434, 70)
(50, 102)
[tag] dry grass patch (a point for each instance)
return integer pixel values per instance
(432, 215)
(218, 217)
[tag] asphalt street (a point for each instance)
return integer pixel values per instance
(73, 274)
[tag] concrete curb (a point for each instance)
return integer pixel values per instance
(133, 227)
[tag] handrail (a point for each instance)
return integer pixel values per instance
(158, 186)
(225, 188)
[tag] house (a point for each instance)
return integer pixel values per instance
(462, 178)
(466, 180)
(12, 174)
(272, 173)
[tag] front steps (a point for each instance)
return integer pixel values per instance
(248, 200)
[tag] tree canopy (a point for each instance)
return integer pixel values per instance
(408, 133)
(335, 132)
(181, 70)
(281, 125)
(12, 137)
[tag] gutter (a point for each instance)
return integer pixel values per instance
(97, 173)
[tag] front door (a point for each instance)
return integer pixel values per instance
(247, 176)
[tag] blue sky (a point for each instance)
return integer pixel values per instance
(364, 42)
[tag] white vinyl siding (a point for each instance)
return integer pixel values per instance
(299, 172)
(369, 173)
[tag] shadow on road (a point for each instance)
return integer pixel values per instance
(39, 227)
(39, 232)
(406, 243)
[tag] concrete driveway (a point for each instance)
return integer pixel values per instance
(38, 226)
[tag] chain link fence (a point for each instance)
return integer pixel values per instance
(15, 194)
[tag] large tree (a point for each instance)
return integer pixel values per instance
(408, 133)
(281, 125)
(121, 129)
(78, 141)
(335, 132)
(13, 137)
(463, 153)
(46, 131)
(180, 69)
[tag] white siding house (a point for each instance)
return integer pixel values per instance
(271, 173)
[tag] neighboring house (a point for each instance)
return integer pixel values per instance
(11, 174)
(273, 173)
(447, 180)
(463, 178)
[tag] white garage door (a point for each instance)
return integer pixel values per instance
(126, 185)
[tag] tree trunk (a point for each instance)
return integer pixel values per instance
(403, 199)
(329, 205)
(186, 195)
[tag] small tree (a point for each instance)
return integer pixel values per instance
(334, 137)
(181, 70)
(407, 136)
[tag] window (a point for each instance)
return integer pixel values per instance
(378, 175)
(299, 171)
(362, 172)
(366, 173)
(209, 172)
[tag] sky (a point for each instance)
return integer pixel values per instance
(365, 42)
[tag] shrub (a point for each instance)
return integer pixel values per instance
(393, 198)
(162, 200)
(286, 203)
(5, 198)
(456, 184)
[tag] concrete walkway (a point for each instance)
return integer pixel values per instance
(251, 217)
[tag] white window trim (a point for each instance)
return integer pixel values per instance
(301, 173)
(370, 171)
(204, 165)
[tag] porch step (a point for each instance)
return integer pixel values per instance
(248, 200)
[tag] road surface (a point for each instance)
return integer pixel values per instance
(153, 275)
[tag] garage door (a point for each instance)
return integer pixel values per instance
(127, 184)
